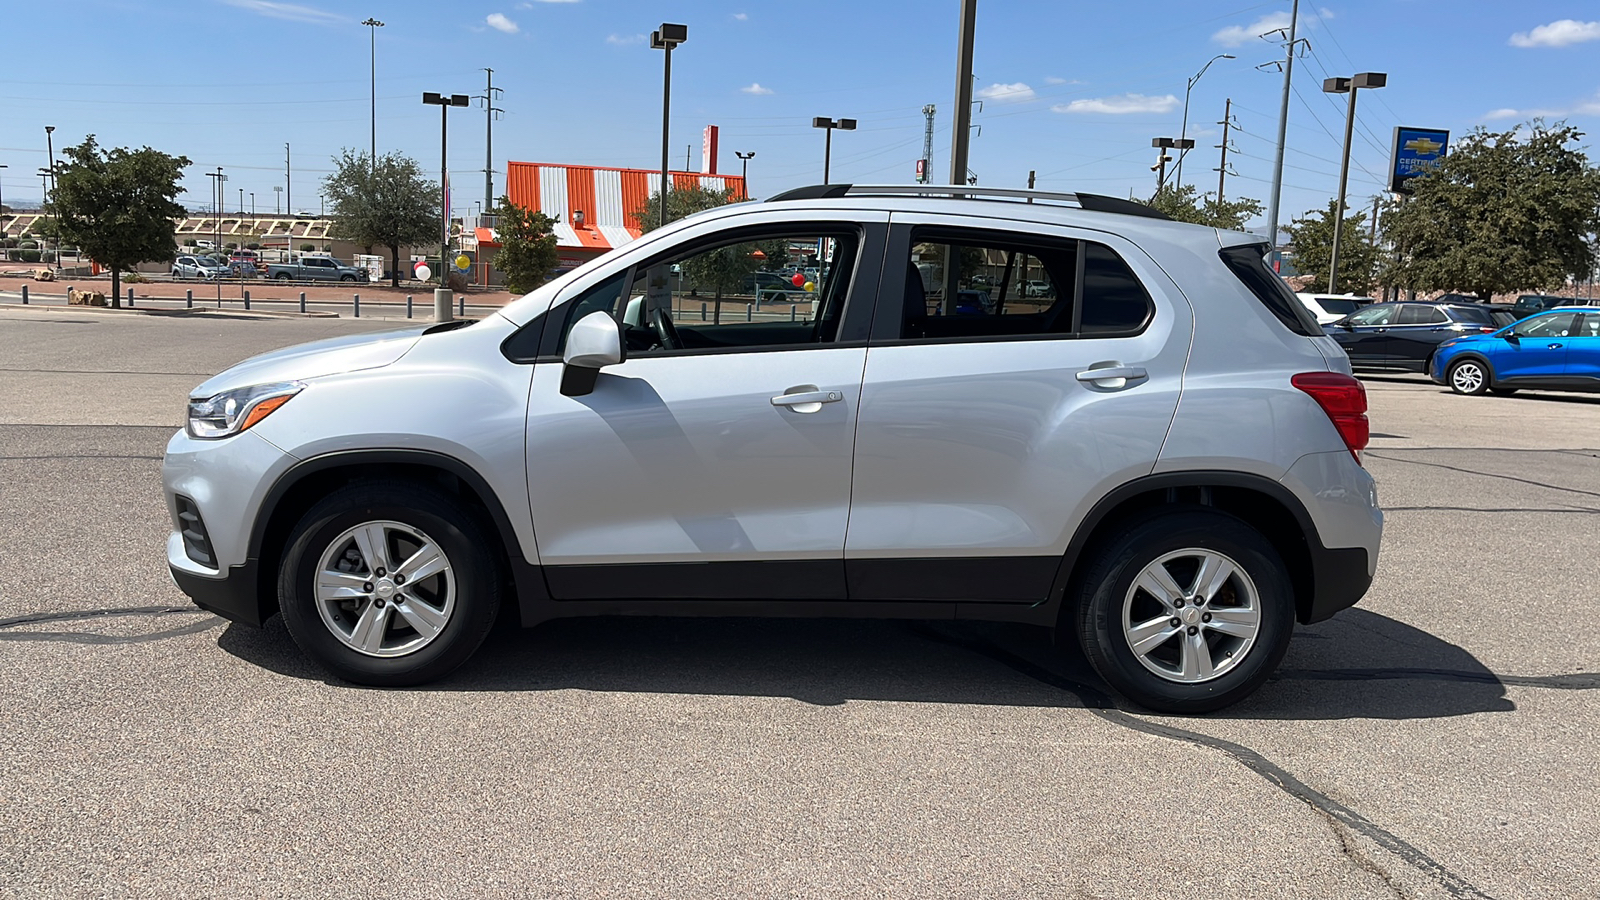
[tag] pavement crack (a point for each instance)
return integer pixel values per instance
(1529, 481)
(1574, 681)
(1101, 705)
(83, 637)
(1571, 510)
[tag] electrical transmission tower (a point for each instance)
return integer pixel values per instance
(927, 146)
(1222, 167)
(491, 112)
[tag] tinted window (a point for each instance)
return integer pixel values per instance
(1555, 325)
(1589, 327)
(1411, 314)
(1337, 306)
(1248, 263)
(1373, 315)
(1114, 302)
(1474, 314)
(1004, 286)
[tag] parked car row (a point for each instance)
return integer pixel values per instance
(246, 264)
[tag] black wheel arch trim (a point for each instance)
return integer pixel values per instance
(1338, 576)
(527, 580)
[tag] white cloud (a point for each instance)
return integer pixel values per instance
(499, 22)
(1006, 93)
(1505, 112)
(1235, 35)
(1121, 104)
(756, 88)
(526, 5)
(1586, 107)
(625, 40)
(741, 16)
(293, 12)
(1054, 80)
(1560, 33)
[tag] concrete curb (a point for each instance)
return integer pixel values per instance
(182, 312)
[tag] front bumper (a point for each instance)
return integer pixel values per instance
(234, 593)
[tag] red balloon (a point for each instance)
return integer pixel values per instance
(799, 279)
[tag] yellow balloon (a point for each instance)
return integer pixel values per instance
(811, 285)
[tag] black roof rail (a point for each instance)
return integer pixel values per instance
(1092, 202)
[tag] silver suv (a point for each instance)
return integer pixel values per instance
(1158, 456)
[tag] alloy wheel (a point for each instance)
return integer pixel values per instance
(1467, 377)
(1191, 615)
(385, 588)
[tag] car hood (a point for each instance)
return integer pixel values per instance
(333, 356)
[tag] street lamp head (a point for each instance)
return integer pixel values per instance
(373, 22)
(847, 124)
(1336, 85)
(1370, 80)
(1162, 142)
(821, 122)
(49, 129)
(668, 36)
(743, 155)
(432, 97)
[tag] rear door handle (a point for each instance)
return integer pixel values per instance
(1112, 376)
(807, 401)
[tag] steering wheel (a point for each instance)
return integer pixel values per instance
(666, 332)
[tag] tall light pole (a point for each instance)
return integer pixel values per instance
(444, 102)
(744, 169)
(665, 38)
(2, 200)
(288, 184)
(372, 31)
(252, 209)
(1349, 86)
(961, 132)
(829, 125)
(277, 199)
(50, 150)
(1184, 131)
(241, 201)
(1182, 145)
(1283, 132)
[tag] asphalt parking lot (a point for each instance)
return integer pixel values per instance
(1435, 741)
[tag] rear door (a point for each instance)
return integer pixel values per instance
(1583, 349)
(1416, 333)
(983, 429)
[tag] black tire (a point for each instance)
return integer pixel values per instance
(1461, 380)
(1108, 587)
(349, 278)
(1502, 392)
(283, 276)
(458, 533)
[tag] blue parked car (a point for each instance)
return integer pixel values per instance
(1557, 350)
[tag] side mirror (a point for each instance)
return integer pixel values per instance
(592, 344)
(1512, 337)
(1345, 324)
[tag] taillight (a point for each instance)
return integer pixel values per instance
(1344, 399)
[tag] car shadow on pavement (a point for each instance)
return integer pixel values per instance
(1357, 665)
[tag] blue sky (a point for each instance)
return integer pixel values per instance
(1072, 90)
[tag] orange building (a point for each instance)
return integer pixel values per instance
(594, 208)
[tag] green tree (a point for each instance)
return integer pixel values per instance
(1312, 237)
(1504, 211)
(1180, 202)
(527, 252)
(387, 203)
(680, 202)
(119, 206)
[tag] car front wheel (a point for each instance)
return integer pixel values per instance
(1186, 611)
(1468, 377)
(388, 584)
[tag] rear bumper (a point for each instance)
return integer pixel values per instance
(1340, 578)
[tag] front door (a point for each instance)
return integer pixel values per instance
(1366, 340)
(1534, 348)
(714, 462)
(984, 426)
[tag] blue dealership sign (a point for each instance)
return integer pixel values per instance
(1417, 151)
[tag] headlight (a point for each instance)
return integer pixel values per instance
(231, 412)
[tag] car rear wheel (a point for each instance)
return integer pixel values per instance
(1468, 376)
(347, 278)
(1186, 611)
(283, 276)
(388, 584)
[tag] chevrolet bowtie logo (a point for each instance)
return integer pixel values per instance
(1424, 147)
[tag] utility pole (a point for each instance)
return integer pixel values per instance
(489, 113)
(1031, 174)
(1372, 235)
(50, 149)
(927, 145)
(1222, 168)
(1283, 130)
(960, 133)
(288, 186)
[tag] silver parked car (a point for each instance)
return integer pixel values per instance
(199, 267)
(1159, 456)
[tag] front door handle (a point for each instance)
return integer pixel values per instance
(1555, 347)
(807, 399)
(1111, 376)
